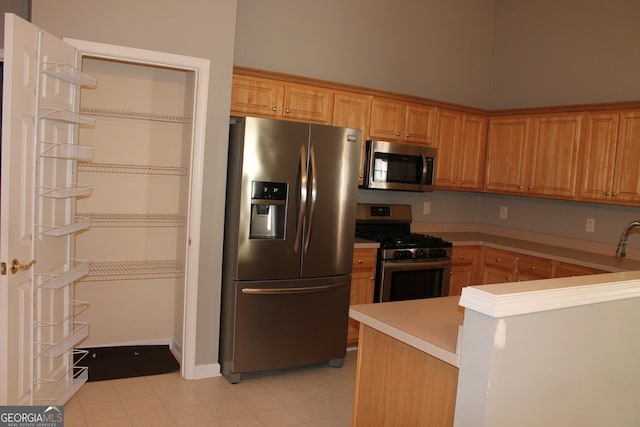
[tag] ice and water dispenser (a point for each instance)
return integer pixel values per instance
(268, 208)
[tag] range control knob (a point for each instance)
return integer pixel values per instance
(402, 254)
(437, 253)
(420, 253)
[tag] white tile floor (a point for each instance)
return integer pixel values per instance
(320, 396)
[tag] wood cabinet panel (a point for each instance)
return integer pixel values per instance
(256, 96)
(419, 124)
(276, 99)
(533, 268)
(401, 121)
(499, 266)
(506, 154)
(564, 269)
(553, 157)
(536, 155)
(626, 179)
(461, 143)
(597, 160)
(362, 285)
(353, 111)
(464, 268)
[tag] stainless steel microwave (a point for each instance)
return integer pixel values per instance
(397, 166)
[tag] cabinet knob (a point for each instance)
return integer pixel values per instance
(533, 267)
(529, 188)
(274, 109)
(498, 259)
(614, 194)
(398, 134)
(360, 261)
(606, 193)
(461, 256)
(520, 187)
(508, 278)
(286, 110)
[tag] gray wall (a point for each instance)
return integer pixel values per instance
(554, 52)
(22, 8)
(200, 28)
(430, 48)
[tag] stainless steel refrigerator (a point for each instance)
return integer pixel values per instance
(289, 231)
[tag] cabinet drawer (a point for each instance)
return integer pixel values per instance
(530, 265)
(464, 255)
(499, 258)
(364, 260)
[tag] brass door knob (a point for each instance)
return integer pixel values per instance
(15, 266)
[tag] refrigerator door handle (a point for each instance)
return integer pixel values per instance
(302, 207)
(283, 291)
(314, 189)
(423, 178)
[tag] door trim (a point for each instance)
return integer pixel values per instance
(200, 67)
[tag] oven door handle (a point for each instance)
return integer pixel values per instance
(412, 265)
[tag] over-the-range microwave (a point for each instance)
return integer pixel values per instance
(397, 166)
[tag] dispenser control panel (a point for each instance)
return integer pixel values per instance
(269, 190)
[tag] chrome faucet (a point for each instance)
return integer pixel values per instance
(622, 244)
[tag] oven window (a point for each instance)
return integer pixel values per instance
(398, 168)
(416, 284)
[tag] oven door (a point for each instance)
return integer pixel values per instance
(413, 279)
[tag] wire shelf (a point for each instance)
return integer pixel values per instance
(133, 270)
(79, 223)
(104, 220)
(65, 193)
(80, 332)
(136, 115)
(132, 169)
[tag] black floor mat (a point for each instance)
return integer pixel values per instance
(110, 363)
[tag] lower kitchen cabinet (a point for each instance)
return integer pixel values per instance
(533, 268)
(564, 269)
(499, 266)
(464, 268)
(363, 278)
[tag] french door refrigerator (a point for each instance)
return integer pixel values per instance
(289, 231)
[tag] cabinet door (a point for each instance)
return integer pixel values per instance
(419, 124)
(362, 285)
(473, 150)
(626, 181)
(387, 119)
(464, 263)
(506, 154)
(352, 110)
(564, 269)
(499, 266)
(553, 161)
(448, 132)
(257, 97)
(533, 268)
(307, 103)
(597, 158)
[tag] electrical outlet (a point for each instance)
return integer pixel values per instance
(503, 212)
(591, 225)
(426, 207)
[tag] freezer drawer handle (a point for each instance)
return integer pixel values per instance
(280, 291)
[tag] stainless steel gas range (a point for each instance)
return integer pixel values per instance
(410, 265)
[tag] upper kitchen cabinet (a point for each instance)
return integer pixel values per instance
(352, 110)
(535, 155)
(461, 142)
(261, 97)
(610, 157)
(393, 120)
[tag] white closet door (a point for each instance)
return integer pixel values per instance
(37, 332)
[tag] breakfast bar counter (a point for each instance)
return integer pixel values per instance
(409, 350)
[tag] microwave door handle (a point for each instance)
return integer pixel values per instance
(423, 177)
(314, 189)
(303, 198)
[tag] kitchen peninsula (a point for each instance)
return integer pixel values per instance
(560, 351)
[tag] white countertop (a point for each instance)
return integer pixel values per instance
(430, 325)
